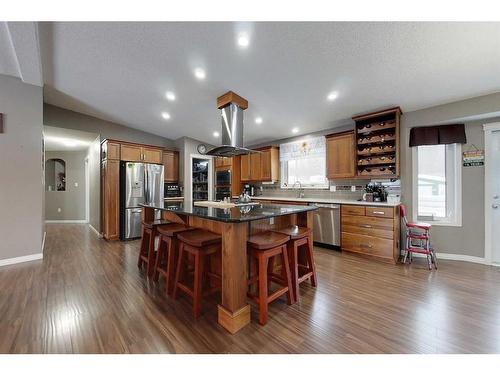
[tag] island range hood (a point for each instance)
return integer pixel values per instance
(232, 107)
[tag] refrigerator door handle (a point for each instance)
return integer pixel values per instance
(146, 185)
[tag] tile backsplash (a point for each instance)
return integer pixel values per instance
(342, 187)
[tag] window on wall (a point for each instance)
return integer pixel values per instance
(437, 184)
(304, 161)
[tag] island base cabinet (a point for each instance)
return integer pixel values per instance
(371, 231)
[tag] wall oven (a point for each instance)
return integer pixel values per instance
(223, 178)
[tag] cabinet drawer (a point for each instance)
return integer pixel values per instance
(368, 222)
(368, 231)
(353, 210)
(375, 246)
(380, 211)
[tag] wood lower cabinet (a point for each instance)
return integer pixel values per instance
(341, 155)
(171, 166)
(372, 231)
(110, 199)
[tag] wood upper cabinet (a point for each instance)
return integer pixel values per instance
(255, 166)
(245, 167)
(269, 164)
(340, 155)
(139, 153)
(110, 150)
(131, 153)
(152, 155)
(223, 162)
(261, 166)
(171, 166)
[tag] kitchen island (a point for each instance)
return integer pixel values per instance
(235, 225)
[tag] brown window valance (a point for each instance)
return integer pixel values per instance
(437, 135)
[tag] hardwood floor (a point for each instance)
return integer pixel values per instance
(88, 296)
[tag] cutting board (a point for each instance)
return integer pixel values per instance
(215, 204)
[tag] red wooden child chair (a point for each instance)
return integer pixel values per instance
(418, 240)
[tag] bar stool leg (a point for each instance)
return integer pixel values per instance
(179, 270)
(263, 294)
(199, 262)
(151, 254)
(160, 257)
(171, 261)
(289, 294)
(310, 260)
(142, 251)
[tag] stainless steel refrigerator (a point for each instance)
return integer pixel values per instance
(139, 183)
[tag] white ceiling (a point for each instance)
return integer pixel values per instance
(60, 139)
(121, 71)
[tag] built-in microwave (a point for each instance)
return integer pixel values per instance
(223, 178)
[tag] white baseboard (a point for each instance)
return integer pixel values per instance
(66, 221)
(460, 257)
(26, 258)
(95, 231)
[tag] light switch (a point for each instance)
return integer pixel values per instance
(76, 184)
(271, 221)
(59, 209)
(333, 188)
(353, 188)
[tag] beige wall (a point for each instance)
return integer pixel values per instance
(468, 239)
(63, 118)
(72, 200)
(94, 155)
(21, 186)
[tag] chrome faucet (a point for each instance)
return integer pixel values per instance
(300, 190)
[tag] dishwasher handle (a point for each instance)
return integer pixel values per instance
(326, 205)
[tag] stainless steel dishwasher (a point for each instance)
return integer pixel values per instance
(326, 224)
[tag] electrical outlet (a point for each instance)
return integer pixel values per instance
(333, 188)
(76, 184)
(59, 209)
(353, 188)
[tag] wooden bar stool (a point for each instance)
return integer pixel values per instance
(300, 247)
(147, 250)
(264, 247)
(201, 244)
(166, 256)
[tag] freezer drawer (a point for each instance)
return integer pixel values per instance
(133, 223)
(326, 224)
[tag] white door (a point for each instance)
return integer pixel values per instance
(493, 201)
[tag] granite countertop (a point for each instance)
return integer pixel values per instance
(234, 214)
(327, 200)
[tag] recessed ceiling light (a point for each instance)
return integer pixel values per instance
(243, 40)
(170, 96)
(165, 115)
(258, 120)
(216, 134)
(332, 96)
(295, 130)
(199, 73)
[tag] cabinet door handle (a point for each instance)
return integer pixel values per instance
(365, 226)
(379, 212)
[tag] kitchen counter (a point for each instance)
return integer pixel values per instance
(234, 214)
(326, 200)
